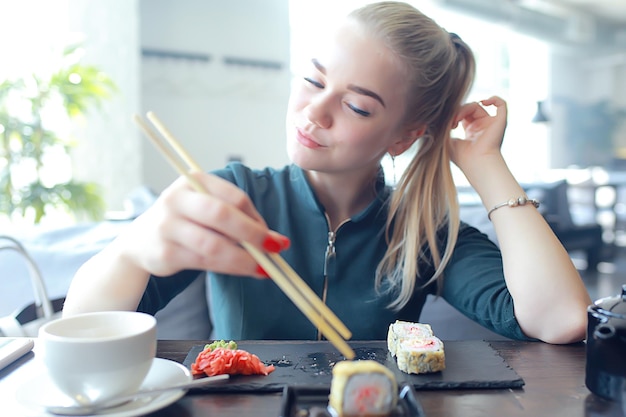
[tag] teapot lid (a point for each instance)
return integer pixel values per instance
(614, 306)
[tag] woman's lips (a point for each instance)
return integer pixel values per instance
(306, 140)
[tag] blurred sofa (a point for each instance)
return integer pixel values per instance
(59, 252)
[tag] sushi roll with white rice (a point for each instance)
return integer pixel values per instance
(420, 356)
(402, 330)
(362, 388)
(416, 348)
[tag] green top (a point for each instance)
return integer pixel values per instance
(250, 309)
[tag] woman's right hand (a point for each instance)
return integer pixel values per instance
(183, 229)
(186, 229)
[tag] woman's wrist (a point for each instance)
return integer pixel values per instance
(493, 181)
(514, 202)
(118, 254)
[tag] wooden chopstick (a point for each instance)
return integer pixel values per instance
(304, 289)
(281, 272)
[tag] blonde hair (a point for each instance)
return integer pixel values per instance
(440, 72)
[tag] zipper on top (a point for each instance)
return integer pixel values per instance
(328, 256)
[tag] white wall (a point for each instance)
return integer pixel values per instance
(109, 152)
(217, 111)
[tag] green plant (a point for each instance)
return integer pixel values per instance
(35, 112)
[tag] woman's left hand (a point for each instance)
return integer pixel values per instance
(483, 132)
(536, 266)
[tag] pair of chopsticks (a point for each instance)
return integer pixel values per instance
(277, 268)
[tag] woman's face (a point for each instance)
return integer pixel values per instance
(347, 111)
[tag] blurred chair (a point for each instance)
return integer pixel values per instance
(25, 321)
(585, 236)
(557, 210)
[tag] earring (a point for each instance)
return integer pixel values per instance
(393, 169)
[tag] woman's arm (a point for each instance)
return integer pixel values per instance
(184, 229)
(549, 296)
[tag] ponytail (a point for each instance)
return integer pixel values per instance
(441, 68)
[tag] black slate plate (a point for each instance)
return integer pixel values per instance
(313, 402)
(470, 364)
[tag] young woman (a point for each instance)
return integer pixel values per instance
(390, 77)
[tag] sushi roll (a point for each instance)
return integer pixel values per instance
(416, 348)
(403, 330)
(419, 356)
(362, 388)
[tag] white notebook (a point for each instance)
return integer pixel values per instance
(13, 348)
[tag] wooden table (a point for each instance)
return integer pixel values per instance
(554, 376)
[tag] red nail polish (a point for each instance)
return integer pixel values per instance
(272, 245)
(285, 242)
(261, 271)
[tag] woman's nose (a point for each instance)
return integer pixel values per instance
(318, 113)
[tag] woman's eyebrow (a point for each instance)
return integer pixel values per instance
(366, 92)
(352, 87)
(319, 66)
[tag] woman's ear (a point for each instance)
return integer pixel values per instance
(407, 141)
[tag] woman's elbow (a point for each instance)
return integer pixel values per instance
(571, 328)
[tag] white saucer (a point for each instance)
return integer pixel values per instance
(40, 391)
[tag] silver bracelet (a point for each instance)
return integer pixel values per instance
(514, 202)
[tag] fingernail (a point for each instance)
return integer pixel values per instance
(261, 271)
(270, 244)
(284, 242)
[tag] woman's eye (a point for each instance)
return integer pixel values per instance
(358, 111)
(315, 83)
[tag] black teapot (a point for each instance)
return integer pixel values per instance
(606, 347)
